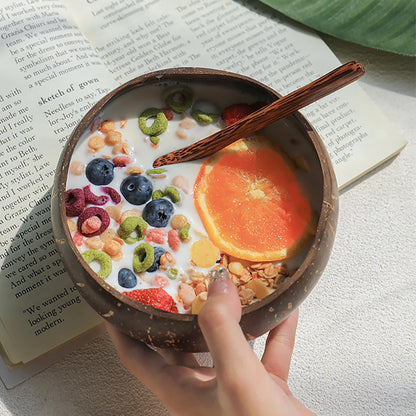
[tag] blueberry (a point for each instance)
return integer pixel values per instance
(100, 171)
(137, 189)
(159, 252)
(157, 213)
(126, 278)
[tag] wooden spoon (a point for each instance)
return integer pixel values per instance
(321, 87)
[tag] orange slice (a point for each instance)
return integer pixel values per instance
(250, 203)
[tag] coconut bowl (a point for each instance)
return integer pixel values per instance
(181, 331)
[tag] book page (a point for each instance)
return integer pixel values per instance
(50, 76)
(136, 37)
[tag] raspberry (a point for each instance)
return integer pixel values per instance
(74, 202)
(156, 297)
(93, 199)
(156, 235)
(114, 195)
(91, 212)
(236, 112)
(174, 239)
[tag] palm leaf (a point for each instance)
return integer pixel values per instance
(389, 25)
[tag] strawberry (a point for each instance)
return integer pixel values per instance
(156, 297)
(236, 112)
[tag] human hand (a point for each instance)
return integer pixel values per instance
(239, 384)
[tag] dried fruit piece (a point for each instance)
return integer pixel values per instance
(156, 235)
(174, 240)
(168, 113)
(78, 239)
(121, 161)
(114, 195)
(159, 281)
(76, 168)
(91, 198)
(74, 202)
(102, 258)
(204, 253)
(186, 294)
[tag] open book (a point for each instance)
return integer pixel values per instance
(60, 56)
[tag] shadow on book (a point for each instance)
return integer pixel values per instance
(40, 307)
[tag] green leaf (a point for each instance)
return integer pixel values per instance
(389, 25)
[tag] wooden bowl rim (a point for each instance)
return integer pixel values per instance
(197, 74)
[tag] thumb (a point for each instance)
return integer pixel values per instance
(219, 322)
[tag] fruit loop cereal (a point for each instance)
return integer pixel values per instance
(137, 227)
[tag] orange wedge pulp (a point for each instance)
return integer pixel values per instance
(250, 203)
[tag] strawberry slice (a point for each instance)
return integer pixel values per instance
(156, 297)
(236, 112)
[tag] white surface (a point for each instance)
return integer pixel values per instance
(355, 347)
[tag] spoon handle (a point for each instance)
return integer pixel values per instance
(321, 87)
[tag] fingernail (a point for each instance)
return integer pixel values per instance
(218, 281)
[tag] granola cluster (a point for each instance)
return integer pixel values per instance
(254, 281)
